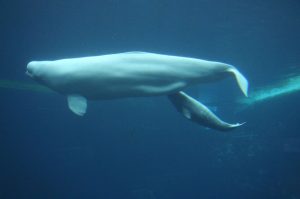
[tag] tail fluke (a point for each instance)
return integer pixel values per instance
(240, 78)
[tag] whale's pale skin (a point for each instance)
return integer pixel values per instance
(132, 74)
(199, 113)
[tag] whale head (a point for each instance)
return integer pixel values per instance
(33, 69)
(46, 73)
(38, 70)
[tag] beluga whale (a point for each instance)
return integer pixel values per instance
(136, 74)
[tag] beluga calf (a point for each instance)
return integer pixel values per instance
(135, 74)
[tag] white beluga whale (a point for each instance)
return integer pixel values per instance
(198, 112)
(135, 74)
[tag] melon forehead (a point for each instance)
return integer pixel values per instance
(34, 68)
(34, 65)
(31, 65)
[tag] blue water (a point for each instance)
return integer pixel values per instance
(142, 148)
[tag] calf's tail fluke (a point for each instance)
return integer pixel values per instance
(240, 78)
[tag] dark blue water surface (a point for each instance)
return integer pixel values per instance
(142, 148)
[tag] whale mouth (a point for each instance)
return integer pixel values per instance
(29, 74)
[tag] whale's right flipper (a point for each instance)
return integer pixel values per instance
(199, 113)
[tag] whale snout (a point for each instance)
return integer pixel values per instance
(30, 69)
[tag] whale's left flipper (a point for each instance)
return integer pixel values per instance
(199, 113)
(77, 104)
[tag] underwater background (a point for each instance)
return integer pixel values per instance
(141, 148)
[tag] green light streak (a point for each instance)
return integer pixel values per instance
(17, 85)
(288, 86)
